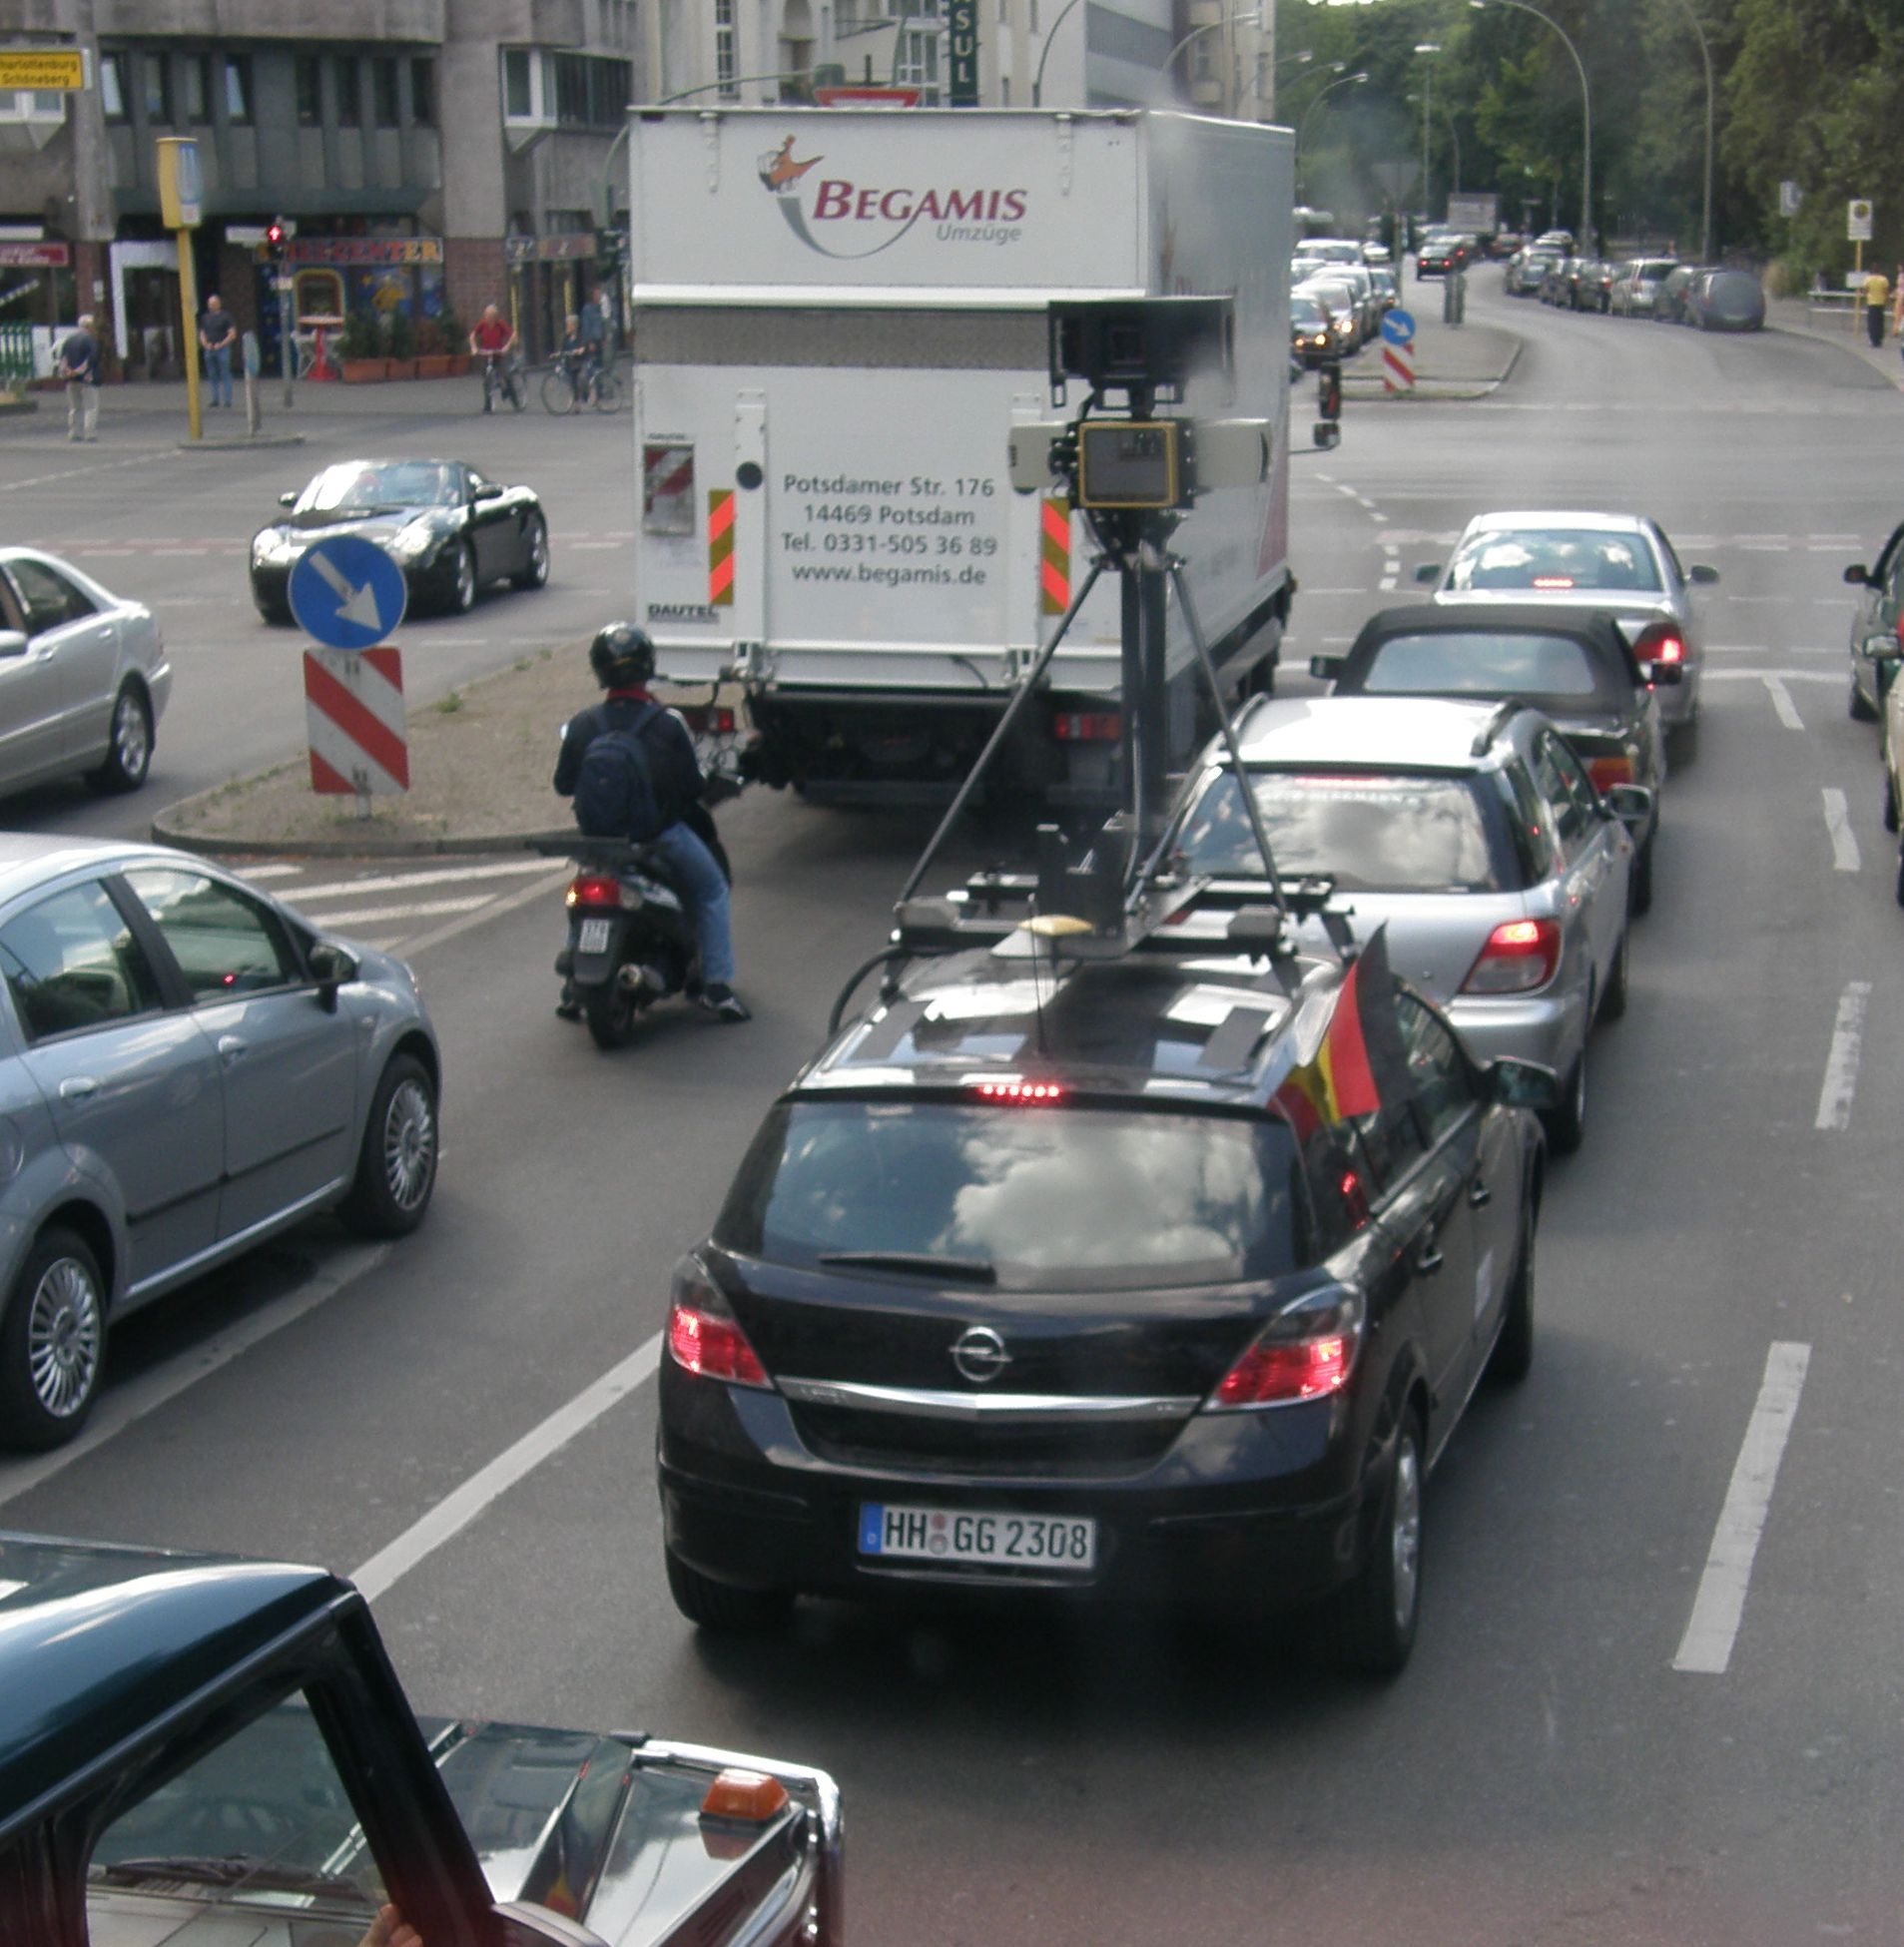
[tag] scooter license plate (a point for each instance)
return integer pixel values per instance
(593, 936)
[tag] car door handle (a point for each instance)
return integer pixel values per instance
(76, 1088)
(233, 1048)
(1480, 1196)
(1430, 1258)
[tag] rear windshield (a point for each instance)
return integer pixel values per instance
(1553, 559)
(1475, 662)
(1038, 1195)
(1394, 832)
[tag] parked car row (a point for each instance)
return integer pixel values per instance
(1713, 297)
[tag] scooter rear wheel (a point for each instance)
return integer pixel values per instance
(610, 1013)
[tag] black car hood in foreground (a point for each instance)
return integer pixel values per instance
(301, 530)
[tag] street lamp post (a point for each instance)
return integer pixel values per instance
(1045, 53)
(1197, 33)
(1316, 101)
(1428, 97)
(1705, 203)
(1586, 112)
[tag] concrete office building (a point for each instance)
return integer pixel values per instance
(431, 154)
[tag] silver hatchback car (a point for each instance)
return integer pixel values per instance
(185, 1068)
(1471, 831)
(84, 677)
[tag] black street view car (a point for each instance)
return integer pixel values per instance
(1575, 668)
(1162, 1278)
(195, 1748)
(451, 530)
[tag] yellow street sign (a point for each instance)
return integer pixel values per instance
(48, 70)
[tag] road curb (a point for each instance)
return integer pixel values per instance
(210, 845)
(246, 443)
(1471, 388)
(1837, 341)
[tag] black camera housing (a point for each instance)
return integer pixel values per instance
(1144, 346)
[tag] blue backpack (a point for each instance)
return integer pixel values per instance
(615, 792)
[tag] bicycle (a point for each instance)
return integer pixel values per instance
(567, 388)
(500, 372)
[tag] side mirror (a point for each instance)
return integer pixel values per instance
(489, 491)
(1631, 804)
(12, 643)
(331, 967)
(1326, 668)
(1428, 573)
(288, 500)
(1859, 575)
(1874, 648)
(1524, 1085)
(1327, 433)
(1704, 575)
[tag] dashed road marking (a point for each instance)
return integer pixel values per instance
(1720, 1606)
(1840, 1086)
(1783, 708)
(1844, 841)
(382, 916)
(401, 881)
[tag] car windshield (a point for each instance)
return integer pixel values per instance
(1030, 1196)
(353, 487)
(1552, 560)
(1372, 832)
(1304, 310)
(1479, 662)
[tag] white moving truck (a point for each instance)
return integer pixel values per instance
(840, 315)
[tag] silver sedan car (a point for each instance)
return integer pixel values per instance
(1621, 564)
(1471, 831)
(185, 1068)
(83, 677)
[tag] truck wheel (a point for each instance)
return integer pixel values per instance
(719, 1606)
(52, 1344)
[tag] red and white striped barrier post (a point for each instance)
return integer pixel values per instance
(1398, 365)
(354, 711)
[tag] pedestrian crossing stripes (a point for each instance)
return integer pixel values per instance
(391, 908)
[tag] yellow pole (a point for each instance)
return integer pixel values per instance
(188, 299)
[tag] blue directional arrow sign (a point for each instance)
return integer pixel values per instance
(1398, 326)
(346, 592)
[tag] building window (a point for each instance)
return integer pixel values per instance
(423, 92)
(158, 89)
(917, 63)
(726, 67)
(518, 84)
(198, 88)
(238, 90)
(571, 91)
(307, 79)
(112, 86)
(384, 91)
(610, 84)
(350, 93)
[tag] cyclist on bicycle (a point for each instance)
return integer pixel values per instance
(577, 358)
(493, 340)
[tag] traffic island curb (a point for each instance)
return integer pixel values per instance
(1429, 390)
(241, 443)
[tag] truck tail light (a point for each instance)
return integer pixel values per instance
(1087, 726)
(1521, 955)
(1306, 1354)
(709, 719)
(704, 1336)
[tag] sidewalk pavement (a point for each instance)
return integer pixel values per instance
(1452, 362)
(1842, 325)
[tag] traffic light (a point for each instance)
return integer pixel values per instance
(274, 239)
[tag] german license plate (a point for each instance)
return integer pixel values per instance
(996, 1541)
(595, 937)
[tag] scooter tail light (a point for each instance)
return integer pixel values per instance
(1518, 957)
(1307, 1353)
(704, 1336)
(593, 888)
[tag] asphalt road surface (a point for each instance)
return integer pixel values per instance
(1657, 1691)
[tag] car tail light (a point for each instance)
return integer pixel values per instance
(1019, 1093)
(593, 888)
(1087, 726)
(1666, 648)
(1609, 771)
(1553, 581)
(1306, 1354)
(1521, 955)
(737, 1793)
(704, 1336)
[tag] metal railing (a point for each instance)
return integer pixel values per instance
(16, 355)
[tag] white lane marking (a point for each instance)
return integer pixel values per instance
(1343, 487)
(1841, 1062)
(1720, 1606)
(119, 1406)
(368, 915)
(458, 1510)
(1772, 675)
(1783, 708)
(508, 902)
(1757, 598)
(401, 881)
(1386, 584)
(1844, 841)
(271, 871)
(579, 545)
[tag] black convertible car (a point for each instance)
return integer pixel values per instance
(449, 530)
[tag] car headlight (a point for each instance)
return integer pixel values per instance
(272, 545)
(412, 544)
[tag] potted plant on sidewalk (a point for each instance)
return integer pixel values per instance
(401, 336)
(432, 352)
(361, 354)
(456, 342)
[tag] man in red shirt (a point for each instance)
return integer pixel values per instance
(491, 341)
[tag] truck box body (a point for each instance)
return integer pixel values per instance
(839, 316)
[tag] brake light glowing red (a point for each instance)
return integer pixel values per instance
(712, 1347)
(594, 888)
(1087, 726)
(1609, 771)
(1553, 581)
(1666, 649)
(1521, 955)
(1019, 1094)
(1269, 1372)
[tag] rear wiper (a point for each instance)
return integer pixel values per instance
(229, 1870)
(968, 1270)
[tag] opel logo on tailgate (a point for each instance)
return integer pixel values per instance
(980, 1354)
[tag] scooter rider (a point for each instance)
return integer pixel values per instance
(623, 660)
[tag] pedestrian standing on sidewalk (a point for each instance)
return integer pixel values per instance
(79, 366)
(216, 330)
(1877, 293)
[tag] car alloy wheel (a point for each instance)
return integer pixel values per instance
(129, 754)
(535, 565)
(1378, 1612)
(409, 1143)
(63, 1336)
(396, 1165)
(462, 591)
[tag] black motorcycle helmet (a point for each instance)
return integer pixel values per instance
(621, 656)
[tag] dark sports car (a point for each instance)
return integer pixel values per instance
(449, 530)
